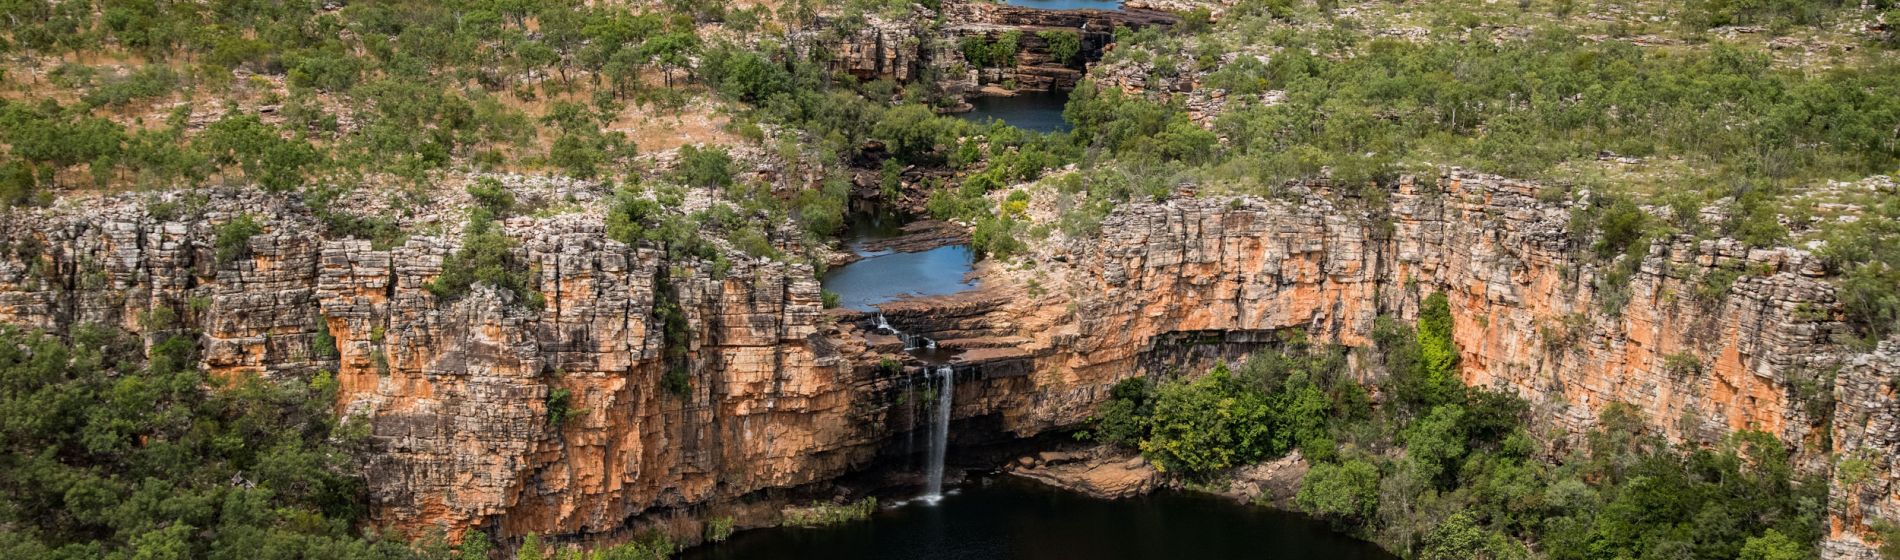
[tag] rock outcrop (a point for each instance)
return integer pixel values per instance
(1704, 337)
(482, 410)
(922, 45)
(1103, 472)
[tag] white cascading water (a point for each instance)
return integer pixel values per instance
(911, 342)
(940, 435)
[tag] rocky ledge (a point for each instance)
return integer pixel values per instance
(1102, 471)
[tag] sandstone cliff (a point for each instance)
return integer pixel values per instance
(923, 45)
(457, 394)
(1709, 338)
(785, 395)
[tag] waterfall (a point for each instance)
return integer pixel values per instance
(940, 435)
(911, 341)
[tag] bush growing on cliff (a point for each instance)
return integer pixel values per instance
(705, 167)
(1421, 361)
(1063, 44)
(1467, 480)
(233, 238)
(486, 256)
(559, 406)
(1866, 256)
(984, 52)
(1272, 403)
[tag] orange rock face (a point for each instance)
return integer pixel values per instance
(783, 395)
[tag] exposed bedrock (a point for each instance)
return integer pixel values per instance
(785, 395)
(903, 47)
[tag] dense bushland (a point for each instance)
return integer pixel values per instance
(1442, 471)
(107, 454)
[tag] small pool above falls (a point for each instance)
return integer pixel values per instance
(882, 276)
(1030, 110)
(1068, 4)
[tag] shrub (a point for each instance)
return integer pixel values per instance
(491, 197)
(487, 256)
(1123, 419)
(559, 406)
(322, 344)
(1208, 424)
(1063, 44)
(677, 382)
(820, 514)
(1622, 224)
(1346, 491)
(718, 529)
(1435, 375)
(1682, 364)
(234, 238)
(983, 52)
(707, 167)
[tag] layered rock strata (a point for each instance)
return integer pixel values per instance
(908, 48)
(482, 411)
(485, 411)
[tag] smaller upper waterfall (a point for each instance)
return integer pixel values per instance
(911, 341)
(940, 434)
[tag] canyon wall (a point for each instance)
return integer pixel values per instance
(1708, 338)
(456, 393)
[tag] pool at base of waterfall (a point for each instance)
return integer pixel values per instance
(1006, 517)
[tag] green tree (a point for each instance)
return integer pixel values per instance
(1773, 545)
(1209, 424)
(1347, 491)
(1433, 378)
(111, 453)
(1063, 44)
(1123, 419)
(233, 238)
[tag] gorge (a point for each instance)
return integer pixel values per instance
(787, 395)
(958, 279)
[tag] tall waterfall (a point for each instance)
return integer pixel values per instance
(940, 434)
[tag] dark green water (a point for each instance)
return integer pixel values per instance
(996, 518)
(1040, 111)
